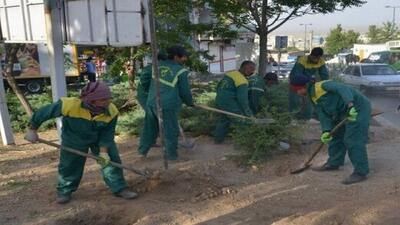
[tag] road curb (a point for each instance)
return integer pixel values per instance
(386, 123)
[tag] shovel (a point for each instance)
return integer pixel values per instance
(186, 143)
(253, 119)
(146, 174)
(308, 163)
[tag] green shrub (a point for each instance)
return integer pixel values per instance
(258, 142)
(199, 121)
(131, 122)
(19, 118)
(120, 94)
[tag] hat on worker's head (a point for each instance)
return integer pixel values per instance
(317, 52)
(298, 82)
(177, 50)
(95, 91)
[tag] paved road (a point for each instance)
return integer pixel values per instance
(387, 104)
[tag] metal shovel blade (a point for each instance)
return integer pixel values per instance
(188, 143)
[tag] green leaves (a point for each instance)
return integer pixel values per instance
(257, 143)
(339, 40)
(387, 32)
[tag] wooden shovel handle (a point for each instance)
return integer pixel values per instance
(121, 166)
(331, 133)
(223, 112)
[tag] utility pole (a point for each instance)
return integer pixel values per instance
(52, 10)
(394, 14)
(305, 35)
(156, 75)
(5, 125)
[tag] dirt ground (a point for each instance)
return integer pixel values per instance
(207, 187)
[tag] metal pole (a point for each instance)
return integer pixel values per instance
(5, 125)
(394, 14)
(394, 17)
(279, 60)
(157, 79)
(305, 38)
(56, 53)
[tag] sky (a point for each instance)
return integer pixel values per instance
(356, 18)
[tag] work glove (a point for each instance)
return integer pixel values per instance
(352, 115)
(31, 135)
(326, 138)
(104, 159)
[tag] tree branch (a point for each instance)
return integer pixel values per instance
(275, 20)
(283, 21)
(233, 20)
(254, 13)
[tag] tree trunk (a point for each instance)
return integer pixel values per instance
(262, 61)
(131, 74)
(263, 33)
(11, 54)
(131, 101)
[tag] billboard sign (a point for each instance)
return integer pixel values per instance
(281, 42)
(84, 22)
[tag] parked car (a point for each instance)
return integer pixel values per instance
(284, 70)
(372, 77)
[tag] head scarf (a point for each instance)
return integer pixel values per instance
(95, 91)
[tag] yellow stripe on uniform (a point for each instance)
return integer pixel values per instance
(71, 107)
(319, 91)
(237, 78)
(303, 60)
(113, 112)
(175, 80)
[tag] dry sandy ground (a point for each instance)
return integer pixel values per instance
(206, 188)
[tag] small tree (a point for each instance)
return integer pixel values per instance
(339, 40)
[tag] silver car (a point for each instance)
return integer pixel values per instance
(284, 70)
(372, 77)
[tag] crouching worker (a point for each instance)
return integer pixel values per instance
(232, 96)
(88, 123)
(334, 102)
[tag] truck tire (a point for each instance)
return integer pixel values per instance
(34, 86)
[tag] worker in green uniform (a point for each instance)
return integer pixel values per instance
(271, 79)
(333, 102)
(256, 92)
(143, 85)
(88, 123)
(142, 91)
(232, 96)
(312, 66)
(174, 89)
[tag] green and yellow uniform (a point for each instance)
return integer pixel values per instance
(256, 92)
(144, 85)
(232, 96)
(319, 72)
(82, 131)
(330, 100)
(174, 90)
